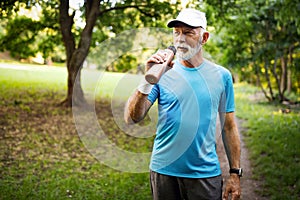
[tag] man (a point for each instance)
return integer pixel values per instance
(184, 162)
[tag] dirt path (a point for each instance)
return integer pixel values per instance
(248, 185)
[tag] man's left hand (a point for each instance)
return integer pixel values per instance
(232, 187)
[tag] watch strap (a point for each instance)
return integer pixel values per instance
(238, 171)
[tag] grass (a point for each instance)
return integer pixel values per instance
(272, 137)
(42, 156)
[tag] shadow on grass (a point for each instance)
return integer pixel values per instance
(42, 156)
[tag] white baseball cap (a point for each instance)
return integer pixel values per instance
(191, 17)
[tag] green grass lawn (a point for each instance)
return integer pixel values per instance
(272, 137)
(42, 156)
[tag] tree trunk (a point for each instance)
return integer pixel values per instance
(266, 66)
(76, 56)
(257, 72)
(289, 75)
(277, 78)
(283, 77)
(75, 94)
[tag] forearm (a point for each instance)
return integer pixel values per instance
(232, 147)
(136, 107)
(231, 140)
(138, 104)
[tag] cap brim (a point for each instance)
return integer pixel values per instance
(173, 23)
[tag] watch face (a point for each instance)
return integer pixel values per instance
(240, 172)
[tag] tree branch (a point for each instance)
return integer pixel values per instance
(138, 7)
(66, 22)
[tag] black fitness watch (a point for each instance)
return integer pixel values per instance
(238, 171)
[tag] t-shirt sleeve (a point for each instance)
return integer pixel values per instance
(227, 98)
(153, 94)
(229, 93)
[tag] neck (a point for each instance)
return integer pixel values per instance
(194, 61)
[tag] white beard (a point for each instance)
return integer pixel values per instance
(191, 51)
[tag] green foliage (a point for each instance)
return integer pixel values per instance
(120, 27)
(125, 63)
(287, 13)
(20, 37)
(129, 48)
(24, 36)
(50, 39)
(268, 45)
(150, 13)
(8, 7)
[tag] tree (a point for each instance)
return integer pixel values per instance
(76, 56)
(77, 48)
(93, 10)
(261, 40)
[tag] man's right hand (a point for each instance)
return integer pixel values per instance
(157, 58)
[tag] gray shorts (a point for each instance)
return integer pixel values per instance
(175, 188)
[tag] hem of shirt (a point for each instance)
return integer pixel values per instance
(230, 110)
(219, 172)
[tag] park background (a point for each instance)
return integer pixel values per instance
(45, 45)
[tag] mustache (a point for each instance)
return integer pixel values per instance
(188, 51)
(177, 45)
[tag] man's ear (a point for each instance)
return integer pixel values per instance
(205, 37)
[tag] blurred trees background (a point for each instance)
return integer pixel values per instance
(257, 40)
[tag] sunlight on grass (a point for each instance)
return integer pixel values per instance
(98, 83)
(109, 85)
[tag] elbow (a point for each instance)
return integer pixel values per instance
(129, 121)
(135, 109)
(132, 118)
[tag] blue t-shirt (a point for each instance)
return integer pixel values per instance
(189, 100)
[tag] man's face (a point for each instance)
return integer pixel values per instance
(187, 41)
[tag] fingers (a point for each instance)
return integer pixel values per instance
(158, 57)
(232, 187)
(235, 193)
(226, 194)
(171, 64)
